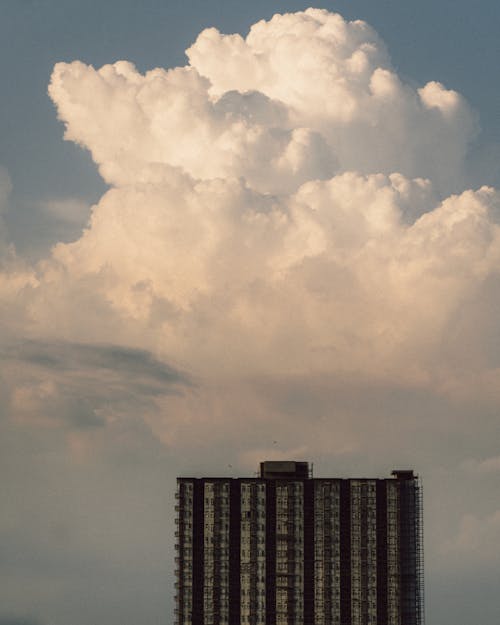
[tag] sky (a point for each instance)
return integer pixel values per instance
(227, 237)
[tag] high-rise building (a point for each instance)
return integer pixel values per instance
(285, 548)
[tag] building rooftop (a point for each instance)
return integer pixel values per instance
(299, 470)
(283, 469)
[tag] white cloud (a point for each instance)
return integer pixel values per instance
(287, 222)
(303, 96)
(275, 208)
(329, 278)
(335, 77)
(276, 212)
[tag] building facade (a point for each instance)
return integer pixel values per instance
(289, 549)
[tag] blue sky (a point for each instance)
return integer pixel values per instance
(263, 263)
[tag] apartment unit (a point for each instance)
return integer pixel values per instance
(285, 548)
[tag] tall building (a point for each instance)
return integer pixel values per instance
(285, 548)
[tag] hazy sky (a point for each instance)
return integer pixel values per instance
(268, 241)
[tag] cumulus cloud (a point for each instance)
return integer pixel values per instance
(190, 268)
(278, 206)
(281, 208)
(285, 212)
(301, 97)
(287, 237)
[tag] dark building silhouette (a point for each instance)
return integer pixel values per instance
(289, 549)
